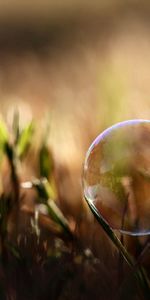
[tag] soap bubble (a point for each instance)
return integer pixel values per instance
(116, 177)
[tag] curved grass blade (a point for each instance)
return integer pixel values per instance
(140, 273)
(44, 191)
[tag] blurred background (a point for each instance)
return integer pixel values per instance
(83, 64)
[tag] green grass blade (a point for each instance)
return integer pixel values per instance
(24, 140)
(45, 162)
(43, 188)
(15, 126)
(3, 134)
(140, 274)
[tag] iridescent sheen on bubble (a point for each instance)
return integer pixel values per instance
(117, 176)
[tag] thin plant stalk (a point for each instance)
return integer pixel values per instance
(140, 273)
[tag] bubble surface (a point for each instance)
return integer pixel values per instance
(116, 176)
